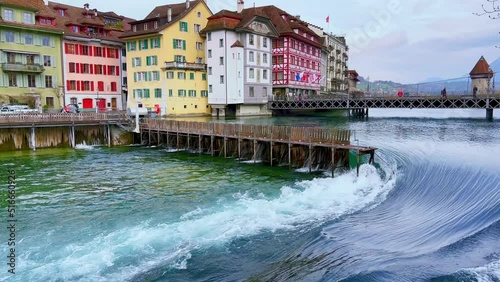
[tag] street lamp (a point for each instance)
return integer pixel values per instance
(97, 100)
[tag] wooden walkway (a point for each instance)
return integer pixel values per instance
(60, 119)
(311, 146)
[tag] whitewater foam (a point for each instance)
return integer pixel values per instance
(487, 273)
(84, 146)
(301, 206)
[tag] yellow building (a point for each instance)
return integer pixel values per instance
(166, 59)
(30, 55)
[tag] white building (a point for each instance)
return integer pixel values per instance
(239, 59)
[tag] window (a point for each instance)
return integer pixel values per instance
(210, 89)
(98, 51)
(204, 93)
(197, 28)
(84, 50)
(46, 61)
(170, 92)
(86, 86)
(31, 80)
(113, 86)
(151, 60)
(146, 93)
(264, 58)
(157, 92)
(75, 28)
(192, 93)
(209, 70)
(251, 92)
(8, 15)
(30, 59)
(199, 60)
(251, 57)
(131, 46)
(198, 14)
(85, 68)
(98, 69)
(9, 36)
(12, 80)
(251, 73)
(61, 12)
(155, 24)
(181, 75)
(136, 62)
(209, 36)
(264, 42)
(49, 101)
(156, 75)
(155, 43)
(199, 46)
(48, 81)
(181, 93)
(27, 18)
(143, 44)
(72, 85)
(70, 48)
(264, 91)
(191, 75)
(203, 76)
(11, 58)
(134, 28)
(264, 74)
(170, 75)
(221, 61)
(100, 85)
(183, 26)
(73, 100)
(72, 68)
(221, 79)
(179, 58)
(221, 42)
(250, 39)
(28, 39)
(210, 53)
(146, 26)
(45, 41)
(180, 44)
(111, 70)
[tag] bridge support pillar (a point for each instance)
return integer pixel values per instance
(32, 139)
(489, 114)
(72, 137)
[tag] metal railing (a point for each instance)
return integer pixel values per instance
(37, 118)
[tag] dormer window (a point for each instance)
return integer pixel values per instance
(134, 28)
(61, 12)
(75, 28)
(156, 24)
(145, 26)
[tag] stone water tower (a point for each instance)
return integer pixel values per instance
(481, 76)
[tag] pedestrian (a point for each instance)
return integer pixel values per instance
(443, 92)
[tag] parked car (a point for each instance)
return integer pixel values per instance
(17, 109)
(70, 108)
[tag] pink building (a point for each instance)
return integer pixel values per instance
(92, 58)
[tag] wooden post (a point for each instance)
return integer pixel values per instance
(168, 139)
(33, 139)
(254, 150)
(108, 127)
(357, 164)
(310, 157)
(225, 147)
(334, 164)
(188, 138)
(158, 137)
(72, 141)
(212, 144)
(149, 136)
(199, 144)
(271, 152)
(178, 141)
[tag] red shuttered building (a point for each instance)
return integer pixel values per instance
(296, 56)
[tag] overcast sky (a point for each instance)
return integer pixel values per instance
(401, 40)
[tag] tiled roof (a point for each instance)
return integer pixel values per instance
(34, 26)
(75, 16)
(28, 4)
(481, 67)
(161, 13)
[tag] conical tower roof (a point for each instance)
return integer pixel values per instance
(481, 68)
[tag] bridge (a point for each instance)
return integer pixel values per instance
(360, 106)
(23, 120)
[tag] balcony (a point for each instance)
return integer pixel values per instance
(184, 66)
(18, 67)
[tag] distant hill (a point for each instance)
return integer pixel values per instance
(430, 85)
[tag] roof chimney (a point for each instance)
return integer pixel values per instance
(188, 4)
(169, 14)
(241, 5)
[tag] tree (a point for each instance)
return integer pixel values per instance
(491, 8)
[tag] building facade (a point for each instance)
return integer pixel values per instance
(481, 76)
(239, 58)
(296, 56)
(30, 55)
(91, 58)
(166, 59)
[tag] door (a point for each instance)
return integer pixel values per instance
(87, 103)
(102, 105)
(113, 104)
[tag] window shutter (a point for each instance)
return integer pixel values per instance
(90, 50)
(149, 76)
(91, 86)
(151, 43)
(183, 59)
(66, 48)
(135, 76)
(145, 43)
(82, 69)
(117, 70)
(133, 62)
(158, 42)
(184, 44)
(180, 26)
(77, 49)
(128, 46)
(77, 67)
(148, 60)
(81, 49)
(175, 43)
(53, 61)
(68, 85)
(78, 85)
(91, 68)
(104, 69)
